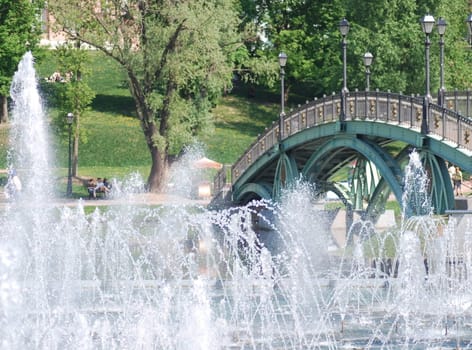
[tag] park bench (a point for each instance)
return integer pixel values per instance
(99, 193)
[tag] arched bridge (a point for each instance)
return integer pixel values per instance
(369, 144)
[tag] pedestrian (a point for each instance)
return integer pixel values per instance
(457, 180)
(14, 186)
(451, 170)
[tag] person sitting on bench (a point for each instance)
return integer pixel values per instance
(106, 184)
(100, 187)
(91, 185)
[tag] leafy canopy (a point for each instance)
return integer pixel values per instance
(20, 31)
(176, 55)
(308, 32)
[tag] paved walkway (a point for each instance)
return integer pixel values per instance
(166, 199)
(467, 188)
(140, 198)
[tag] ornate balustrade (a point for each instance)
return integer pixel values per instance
(459, 101)
(221, 179)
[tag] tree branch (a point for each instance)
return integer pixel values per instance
(170, 47)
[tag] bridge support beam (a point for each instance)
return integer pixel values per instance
(442, 193)
(285, 173)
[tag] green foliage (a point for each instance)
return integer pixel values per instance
(4, 132)
(458, 55)
(390, 30)
(395, 206)
(19, 32)
(334, 205)
(307, 31)
(113, 136)
(75, 95)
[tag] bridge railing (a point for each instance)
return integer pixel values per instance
(450, 126)
(264, 143)
(222, 179)
(387, 107)
(392, 108)
(459, 101)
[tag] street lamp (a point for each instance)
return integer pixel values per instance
(344, 29)
(442, 24)
(427, 23)
(70, 120)
(368, 57)
(469, 27)
(282, 63)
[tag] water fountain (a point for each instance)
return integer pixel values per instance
(260, 276)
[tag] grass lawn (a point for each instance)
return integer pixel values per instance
(238, 121)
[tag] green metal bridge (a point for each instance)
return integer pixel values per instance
(371, 142)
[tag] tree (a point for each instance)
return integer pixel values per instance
(20, 31)
(458, 55)
(308, 32)
(75, 94)
(392, 33)
(176, 57)
(252, 63)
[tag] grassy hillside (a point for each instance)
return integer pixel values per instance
(114, 144)
(238, 121)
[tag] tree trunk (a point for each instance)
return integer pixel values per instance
(4, 109)
(158, 172)
(159, 155)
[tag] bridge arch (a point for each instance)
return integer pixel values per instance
(377, 156)
(251, 191)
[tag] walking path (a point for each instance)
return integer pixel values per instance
(165, 199)
(136, 199)
(144, 198)
(467, 187)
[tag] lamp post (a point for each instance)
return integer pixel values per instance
(282, 63)
(427, 23)
(70, 120)
(368, 57)
(344, 29)
(469, 27)
(442, 24)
